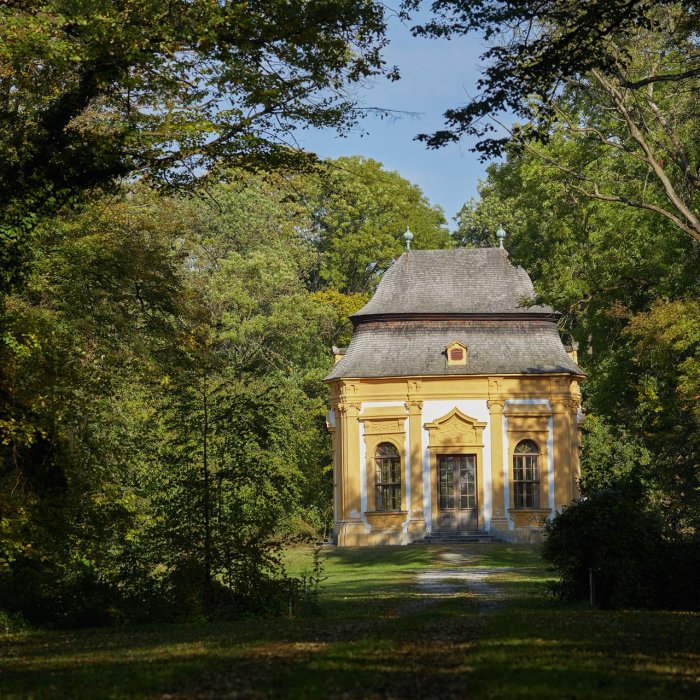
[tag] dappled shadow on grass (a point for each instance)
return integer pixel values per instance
(176, 659)
(562, 654)
(377, 639)
(572, 653)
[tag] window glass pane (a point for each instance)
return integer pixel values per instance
(386, 449)
(467, 501)
(526, 481)
(446, 481)
(518, 469)
(395, 471)
(518, 496)
(388, 477)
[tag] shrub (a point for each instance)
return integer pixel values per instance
(45, 594)
(634, 562)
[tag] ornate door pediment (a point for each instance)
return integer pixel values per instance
(455, 429)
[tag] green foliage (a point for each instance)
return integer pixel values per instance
(94, 91)
(342, 306)
(533, 49)
(361, 213)
(615, 534)
(163, 409)
(610, 456)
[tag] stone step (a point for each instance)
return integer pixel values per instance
(467, 537)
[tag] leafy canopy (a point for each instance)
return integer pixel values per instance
(95, 90)
(534, 47)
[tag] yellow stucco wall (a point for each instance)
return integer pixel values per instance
(402, 411)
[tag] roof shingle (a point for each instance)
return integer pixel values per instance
(417, 348)
(431, 298)
(458, 281)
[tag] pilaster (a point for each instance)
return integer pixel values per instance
(416, 525)
(350, 525)
(575, 435)
(498, 518)
(352, 461)
(563, 478)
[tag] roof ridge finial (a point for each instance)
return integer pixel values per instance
(408, 237)
(501, 235)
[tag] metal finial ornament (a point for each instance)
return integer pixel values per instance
(501, 235)
(408, 237)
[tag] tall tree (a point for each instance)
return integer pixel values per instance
(361, 212)
(624, 75)
(96, 90)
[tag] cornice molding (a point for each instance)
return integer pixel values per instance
(551, 317)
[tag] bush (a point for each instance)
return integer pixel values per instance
(44, 594)
(11, 623)
(634, 561)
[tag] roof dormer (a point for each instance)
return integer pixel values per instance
(456, 354)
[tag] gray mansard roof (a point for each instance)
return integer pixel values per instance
(401, 349)
(431, 298)
(462, 280)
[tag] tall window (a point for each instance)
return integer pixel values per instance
(526, 475)
(388, 477)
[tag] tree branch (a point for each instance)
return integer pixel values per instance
(693, 223)
(597, 194)
(666, 77)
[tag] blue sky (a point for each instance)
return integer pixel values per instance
(436, 74)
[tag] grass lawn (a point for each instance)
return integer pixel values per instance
(396, 622)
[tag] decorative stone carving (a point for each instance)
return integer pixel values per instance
(345, 407)
(455, 429)
(348, 390)
(496, 405)
(414, 386)
(386, 426)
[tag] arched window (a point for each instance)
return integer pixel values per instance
(526, 475)
(387, 477)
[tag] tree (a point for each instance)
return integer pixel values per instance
(622, 75)
(162, 408)
(642, 110)
(618, 539)
(94, 91)
(627, 285)
(360, 214)
(89, 335)
(534, 47)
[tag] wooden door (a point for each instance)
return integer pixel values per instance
(457, 492)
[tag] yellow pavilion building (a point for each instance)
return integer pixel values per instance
(456, 407)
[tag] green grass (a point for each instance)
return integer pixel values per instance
(378, 636)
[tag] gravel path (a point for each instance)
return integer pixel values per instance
(437, 584)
